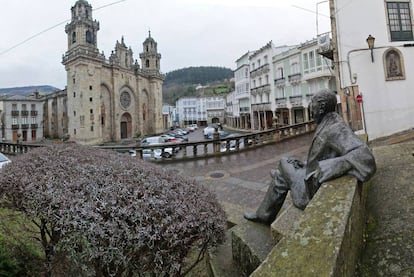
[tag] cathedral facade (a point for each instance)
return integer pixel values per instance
(109, 99)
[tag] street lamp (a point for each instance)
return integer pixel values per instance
(371, 41)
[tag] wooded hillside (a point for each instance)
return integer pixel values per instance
(183, 82)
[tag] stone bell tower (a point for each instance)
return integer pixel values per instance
(82, 30)
(150, 62)
(83, 62)
(150, 58)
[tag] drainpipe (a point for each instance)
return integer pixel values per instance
(336, 61)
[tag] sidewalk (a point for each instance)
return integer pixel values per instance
(390, 210)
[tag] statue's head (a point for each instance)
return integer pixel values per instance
(322, 103)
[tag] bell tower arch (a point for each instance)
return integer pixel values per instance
(82, 30)
(150, 58)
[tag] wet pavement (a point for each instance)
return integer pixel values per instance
(241, 178)
(389, 249)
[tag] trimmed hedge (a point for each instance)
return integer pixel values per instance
(103, 213)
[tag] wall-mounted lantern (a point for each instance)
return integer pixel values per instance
(371, 41)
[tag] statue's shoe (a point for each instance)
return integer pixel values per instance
(256, 218)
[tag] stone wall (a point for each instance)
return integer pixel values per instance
(328, 237)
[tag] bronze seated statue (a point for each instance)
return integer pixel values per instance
(335, 151)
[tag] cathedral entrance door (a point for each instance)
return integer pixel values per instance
(123, 130)
(126, 126)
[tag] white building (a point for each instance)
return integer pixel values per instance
(384, 74)
(300, 72)
(21, 118)
(263, 100)
(200, 110)
(232, 115)
(215, 108)
(187, 110)
(242, 106)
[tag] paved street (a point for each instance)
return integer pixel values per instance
(240, 179)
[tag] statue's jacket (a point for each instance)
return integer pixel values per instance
(335, 145)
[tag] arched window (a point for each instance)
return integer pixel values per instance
(393, 65)
(73, 37)
(89, 36)
(147, 63)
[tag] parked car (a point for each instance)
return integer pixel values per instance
(232, 143)
(152, 140)
(178, 136)
(184, 131)
(156, 154)
(232, 146)
(4, 160)
(209, 130)
(222, 134)
(167, 138)
(151, 154)
(192, 127)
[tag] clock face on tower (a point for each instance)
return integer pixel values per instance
(125, 99)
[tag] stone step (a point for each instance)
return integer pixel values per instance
(234, 213)
(248, 243)
(251, 243)
(220, 261)
(285, 222)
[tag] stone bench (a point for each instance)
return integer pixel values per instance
(327, 237)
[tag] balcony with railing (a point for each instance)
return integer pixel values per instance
(309, 97)
(260, 71)
(296, 101)
(295, 78)
(15, 113)
(25, 126)
(25, 113)
(281, 102)
(83, 52)
(244, 110)
(15, 126)
(33, 113)
(261, 89)
(261, 107)
(34, 126)
(280, 82)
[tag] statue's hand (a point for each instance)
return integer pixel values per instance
(331, 168)
(324, 171)
(296, 163)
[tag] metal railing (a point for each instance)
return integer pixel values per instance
(219, 146)
(195, 149)
(16, 148)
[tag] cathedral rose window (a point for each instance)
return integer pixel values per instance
(125, 99)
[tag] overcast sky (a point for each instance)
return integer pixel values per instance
(188, 32)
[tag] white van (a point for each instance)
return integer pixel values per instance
(152, 140)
